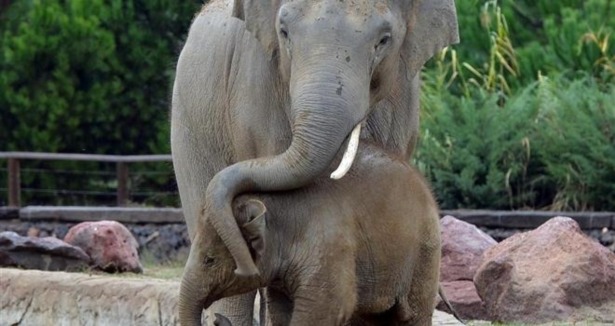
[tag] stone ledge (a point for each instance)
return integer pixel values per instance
(8, 213)
(120, 214)
(486, 218)
(531, 219)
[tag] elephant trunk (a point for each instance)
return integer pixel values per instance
(324, 111)
(191, 301)
(197, 287)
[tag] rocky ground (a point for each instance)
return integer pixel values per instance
(169, 242)
(463, 263)
(158, 242)
(552, 272)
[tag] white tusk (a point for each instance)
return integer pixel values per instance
(349, 154)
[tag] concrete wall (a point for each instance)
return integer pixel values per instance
(29, 297)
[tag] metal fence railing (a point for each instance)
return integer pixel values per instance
(121, 174)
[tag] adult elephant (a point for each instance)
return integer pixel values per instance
(267, 92)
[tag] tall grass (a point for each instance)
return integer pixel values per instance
(549, 146)
(499, 131)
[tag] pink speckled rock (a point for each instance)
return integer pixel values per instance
(110, 245)
(553, 273)
(463, 245)
(463, 297)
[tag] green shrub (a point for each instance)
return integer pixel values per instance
(549, 146)
(88, 76)
(92, 67)
(560, 42)
(549, 37)
(474, 152)
(520, 115)
(575, 142)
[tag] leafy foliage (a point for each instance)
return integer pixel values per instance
(557, 37)
(548, 37)
(475, 153)
(520, 115)
(88, 76)
(97, 68)
(575, 142)
(550, 145)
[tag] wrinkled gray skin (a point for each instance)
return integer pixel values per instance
(267, 91)
(364, 250)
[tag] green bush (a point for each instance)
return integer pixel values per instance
(562, 42)
(549, 37)
(520, 115)
(575, 142)
(549, 146)
(89, 76)
(95, 68)
(474, 152)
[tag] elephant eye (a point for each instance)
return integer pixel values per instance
(383, 41)
(209, 261)
(284, 33)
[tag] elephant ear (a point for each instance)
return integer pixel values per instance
(260, 17)
(254, 229)
(432, 26)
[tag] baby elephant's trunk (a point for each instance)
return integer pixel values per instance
(193, 293)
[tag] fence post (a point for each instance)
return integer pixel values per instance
(14, 183)
(122, 183)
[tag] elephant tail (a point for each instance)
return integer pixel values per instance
(448, 304)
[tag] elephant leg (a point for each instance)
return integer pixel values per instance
(238, 309)
(321, 306)
(196, 160)
(327, 296)
(423, 289)
(279, 308)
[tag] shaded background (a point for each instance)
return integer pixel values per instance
(520, 115)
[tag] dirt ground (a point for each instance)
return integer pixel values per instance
(29, 297)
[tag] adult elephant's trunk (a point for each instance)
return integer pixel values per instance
(327, 104)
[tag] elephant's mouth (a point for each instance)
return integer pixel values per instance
(349, 154)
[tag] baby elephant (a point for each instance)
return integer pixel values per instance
(363, 250)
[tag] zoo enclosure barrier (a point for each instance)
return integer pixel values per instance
(121, 162)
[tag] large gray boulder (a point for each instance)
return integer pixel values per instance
(553, 273)
(48, 253)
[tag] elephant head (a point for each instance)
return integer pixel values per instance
(338, 59)
(209, 275)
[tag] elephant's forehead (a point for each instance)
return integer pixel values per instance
(356, 14)
(353, 7)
